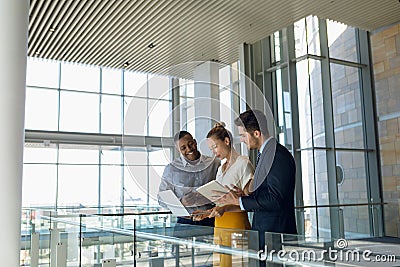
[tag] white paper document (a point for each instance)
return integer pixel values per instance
(173, 203)
(208, 189)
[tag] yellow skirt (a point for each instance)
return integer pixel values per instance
(233, 220)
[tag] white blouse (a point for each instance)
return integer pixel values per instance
(239, 174)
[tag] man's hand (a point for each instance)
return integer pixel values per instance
(238, 190)
(230, 198)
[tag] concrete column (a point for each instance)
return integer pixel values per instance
(13, 48)
(206, 98)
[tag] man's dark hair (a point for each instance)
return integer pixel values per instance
(253, 120)
(179, 135)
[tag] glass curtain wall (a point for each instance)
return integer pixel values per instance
(72, 111)
(76, 121)
(317, 75)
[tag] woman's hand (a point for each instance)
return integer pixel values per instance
(199, 215)
(217, 211)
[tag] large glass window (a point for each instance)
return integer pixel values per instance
(330, 147)
(80, 77)
(79, 112)
(91, 104)
(42, 116)
(307, 40)
(111, 81)
(347, 109)
(42, 73)
(111, 114)
(342, 41)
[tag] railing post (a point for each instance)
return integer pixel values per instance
(54, 240)
(134, 242)
(80, 240)
(35, 249)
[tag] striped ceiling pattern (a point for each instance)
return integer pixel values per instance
(151, 35)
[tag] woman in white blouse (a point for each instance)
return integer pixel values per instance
(235, 170)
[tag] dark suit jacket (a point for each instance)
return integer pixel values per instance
(273, 201)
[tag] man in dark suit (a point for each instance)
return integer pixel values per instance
(272, 199)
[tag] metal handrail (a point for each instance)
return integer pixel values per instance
(341, 205)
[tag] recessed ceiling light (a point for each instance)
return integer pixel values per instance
(126, 64)
(37, 53)
(52, 29)
(151, 45)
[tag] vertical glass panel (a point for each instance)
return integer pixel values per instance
(225, 96)
(351, 177)
(111, 81)
(159, 87)
(39, 185)
(311, 222)
(135, 84)
(80, 77)
(186, 88)
(111, 155)
(226, 110)
(300, 36)
(342, 41)
(160, 156)
(308, 179)
(79, 112)
(135, 156)
(347, 110)
(78, 185)
(313, 42)
(321, 177)
(190, 123)
(356, 222)
(155, 174)
(284, 107)
(304, 98)
(276, 45)
(159, 118)
(352, 189)
(186, 105)
(136, 116)
(110, 187)
(41, 109)
(127, 101)
(78, 155)
(135, 185)
(324, 222)
(306, 34)
(317, 103)
(42, 73)
(311, 112)
(111, 114)
(235, 71)
(225, 76)
(39, 153)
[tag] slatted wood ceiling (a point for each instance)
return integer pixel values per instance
(113, 32)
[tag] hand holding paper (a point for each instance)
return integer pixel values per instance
(194, 199)
(199, 215)
(232, 197)
(213, 190)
